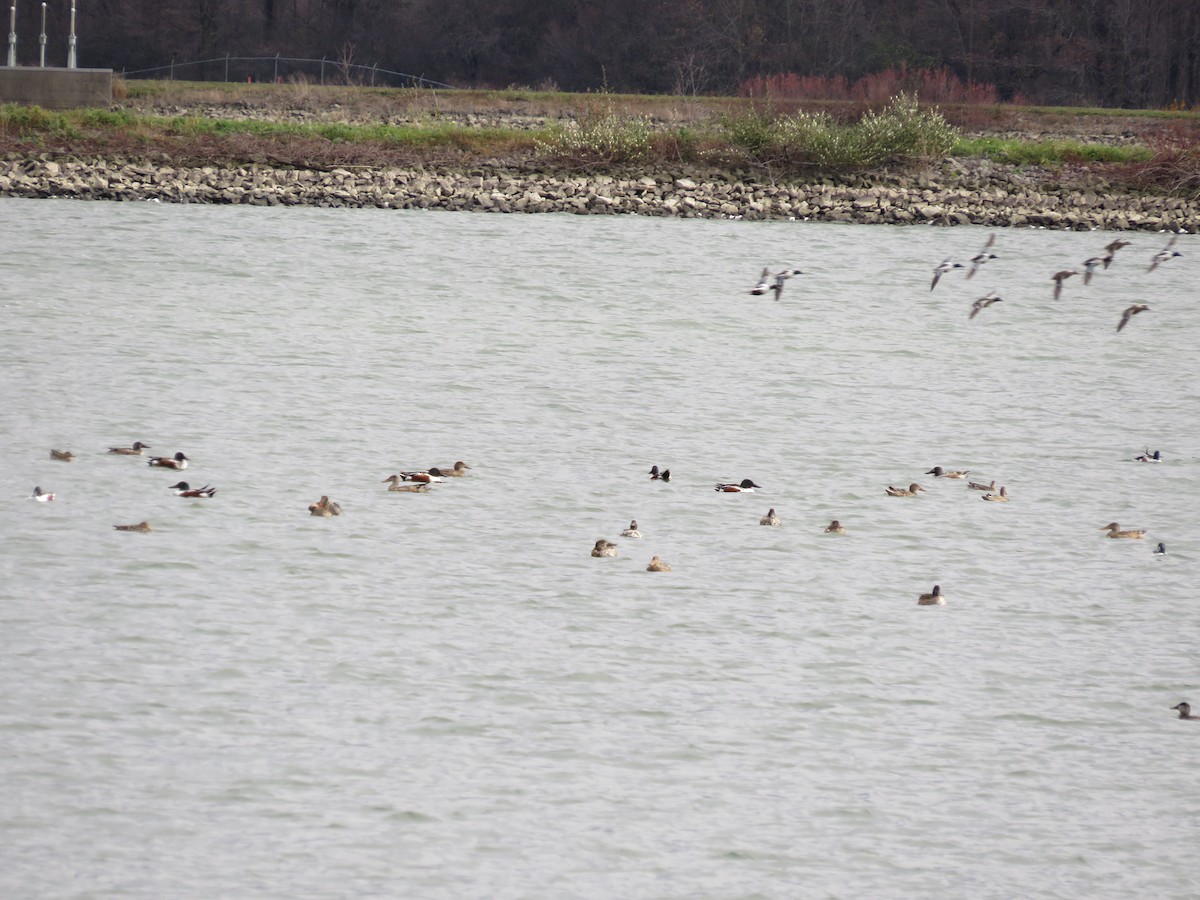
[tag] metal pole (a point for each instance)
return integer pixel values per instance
(12, 34)
(276, 78)
(71, 40)
(322, 68)
(172, 78)
(42, 39)
(227, 67)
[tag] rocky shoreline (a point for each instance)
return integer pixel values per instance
(953, 192)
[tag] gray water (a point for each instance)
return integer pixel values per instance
(445, 696)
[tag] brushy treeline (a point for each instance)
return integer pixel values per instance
(1129, 53)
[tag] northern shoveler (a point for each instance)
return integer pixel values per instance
(982, 256)
(40, 495)
(980, 486)
(910, 491)
(183, 489)
(1092, 264)
(770, 518)
(657, 565)
(1058, 278)
(1185, 710)
(325, 508)
(1129, 313)
(1112, 248)
(939, 472)
(933, 598)
(1161, 548)
(135, 450)
(632, 530)
(63, 455)
(604, 548)
(431, 476)
(655, 475)
(745, 485)
(143, 527)
(1114, 531)
(178, 461)
(1156, 456)
(941, 269)
(1001, 497)
(1164, 254)
(458, 470)
(420, 487)
(983, 303)
(835, 527)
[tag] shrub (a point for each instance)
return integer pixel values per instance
(601, 134)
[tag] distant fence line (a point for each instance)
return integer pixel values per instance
(281, 68)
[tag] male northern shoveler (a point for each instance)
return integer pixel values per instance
(135, 450)
(1058, 278)
(1156, 456)
(657, 565)
(983, 303)
(982, 257)
(1001, 497)
(632, 530)
(939, 472)
(745, 485)
(420, 487)
(910, 491)
(770, 518)
(980, 486)
(1091, 264)
(604, 548)
(63, 455)
(40, 495)
(1114, 531)
(183, 489)
(178, 461)
(142, 527)
(1129, 313)
(1185, 710)
(835, 527)
(1164, 254)
(933, 598)
(458, 470)
(655, 475)
(431, 476)
(1161, 549)
(941, 269)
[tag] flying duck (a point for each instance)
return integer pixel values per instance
(1130, 313)
(1058, 278)
(941, 269)
(983, 303)
(1090, 266)
(1164, 254)
(982, 256)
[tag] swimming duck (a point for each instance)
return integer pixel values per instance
(979, 486)
(1161, 549)
(941, 269)
(933, 598)
(1164, 254)
(655, 475)
(835, 527)
(1114, 531)
(416, 488)
(1058, 278)
(458, 470)
(939, 472)
(983, 303)
(604, 548)
(40, 496)
(135, 450)
(1090, 266)
(982, 256)
(1156, 456)
(325, 508)
(657, 565)
(1129, 313)
(178, 461)
(183, 489)
(1001, 497)
(746, 485)
(632, 530)
(1185, 710)
(432, 476)
(910, 491)
(770, 518)
(142, 527)
(63, 455)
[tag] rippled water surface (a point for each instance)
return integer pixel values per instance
(445, 696)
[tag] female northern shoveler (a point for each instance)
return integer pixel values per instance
(770, 518)
(933, 598)
(325, 508)
(63, 455)
(835, 527)
(980, 486)
(420, 487)
(183, 489)
(135, 450)
(983, 303)
(1185, 710)
(178, 461)
(745, 485)
(604, 548)
(939, 472)
(40, 495)
(458, 470)
(1129, 313)
(1001, 497)
(1114, 531)
(1058, 278)
(632, 530)
(657, 565)
(910, 491)
(143, 527)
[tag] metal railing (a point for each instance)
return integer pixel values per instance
(283, 68)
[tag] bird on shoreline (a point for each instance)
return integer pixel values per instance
(1058, 278)
(941, 269)
(1130, 313)
(982, 256)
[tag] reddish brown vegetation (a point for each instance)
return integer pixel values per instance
(929, 85)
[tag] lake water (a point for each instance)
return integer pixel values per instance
(445, 696)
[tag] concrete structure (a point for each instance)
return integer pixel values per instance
(55, 88)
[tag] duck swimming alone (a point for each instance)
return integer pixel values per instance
(632, 530)
(657, 565)
(183, 489)
(933, 598)
(1114, 531)
(770, 518)
(745, 485)
(604, 548)
(415, 488)
(325, 508)
(835, 527)
(142, 527)
(1001, 497)
(62, 455)
(910, 491)
(41, 496)
(178, 461)
(939, 472)
(1185, 710)
(1161, 549)
(135, 450)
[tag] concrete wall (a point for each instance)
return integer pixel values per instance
(55, 88)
